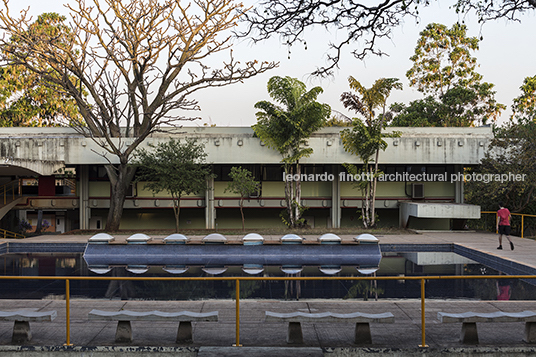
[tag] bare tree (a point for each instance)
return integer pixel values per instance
(130, 65)
(361, 23)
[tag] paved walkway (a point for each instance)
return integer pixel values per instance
(255, 332)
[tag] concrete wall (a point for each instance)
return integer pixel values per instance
(231, 145)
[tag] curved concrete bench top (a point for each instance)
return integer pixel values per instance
(102, 238)
(291, 239)
(176, 238)
(385, 317)
(329, 238)
(138, 238)
(252, 239)
(26, 315)
(127, 315)
(366, 238)
(498, 316)
(214, 238)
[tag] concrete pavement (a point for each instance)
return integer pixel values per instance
(405, 333)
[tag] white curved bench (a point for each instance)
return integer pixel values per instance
(22, 318)
(469, 319)
(124, 329)
(361, 320)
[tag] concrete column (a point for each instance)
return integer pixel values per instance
(83, 194)
(210, 211)
(458, 170)
(335, 198)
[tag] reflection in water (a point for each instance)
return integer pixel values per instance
(504, 291)
(391, 265)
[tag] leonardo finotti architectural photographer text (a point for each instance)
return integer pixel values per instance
(407, 177)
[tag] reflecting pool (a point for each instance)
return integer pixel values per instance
(392, 264)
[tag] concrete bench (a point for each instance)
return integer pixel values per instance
(469, 319)
(124, 329)
(22, 318)
(361, 320)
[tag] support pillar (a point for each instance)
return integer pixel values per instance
(83, 193)
(210, 210)
(335, 198)
(458, 170)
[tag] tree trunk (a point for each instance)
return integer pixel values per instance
(177, 211)
(366, 206)
(298, 196)
(288, 193)
(39, 225)
(242, 213)
(120, 177)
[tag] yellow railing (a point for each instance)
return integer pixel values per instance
(237, 280)
(523, 215)
(8, 234)
(9, 190)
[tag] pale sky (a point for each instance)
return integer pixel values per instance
(507, 55)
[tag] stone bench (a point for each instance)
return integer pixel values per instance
(124, 329)
(21, 328)
(361, 320)
(469, 319)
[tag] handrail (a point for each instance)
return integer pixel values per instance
(8, 234)
(10, 186)
(515, 214)
(237, 280)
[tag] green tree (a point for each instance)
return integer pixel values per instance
(286, 127)
(443, 59)
(524, 108)
(365, 139)
(140, 63)
(420, 113)
(512, 150)
(461, 107)
(243, 183)
(173, 167)
(443, 67)
(25, 99)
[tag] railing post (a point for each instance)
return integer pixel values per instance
(67, 314)
(237, 344)
(423, 329)
(522, 224)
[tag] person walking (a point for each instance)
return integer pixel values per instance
(503, 225)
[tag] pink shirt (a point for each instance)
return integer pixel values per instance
(504, 217)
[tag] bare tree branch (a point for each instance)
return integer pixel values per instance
(357, 23)
(130, 65)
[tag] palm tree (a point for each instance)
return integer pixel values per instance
(286, 127)
(365, 139)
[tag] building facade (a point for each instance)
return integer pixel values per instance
(61, 174)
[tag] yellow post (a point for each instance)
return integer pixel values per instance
(237, 344)
(67, 313)
(423, 343)
(522, 224)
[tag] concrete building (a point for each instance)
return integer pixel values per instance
(61, 173)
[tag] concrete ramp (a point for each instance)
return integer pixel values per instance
(5, 209)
